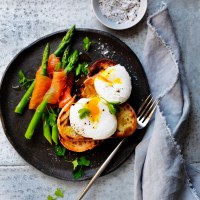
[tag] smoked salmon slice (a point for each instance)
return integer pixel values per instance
(53, 61)
(57, 86)
(41, 87)
(66, 96)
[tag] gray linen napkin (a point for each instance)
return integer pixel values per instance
(160, 170)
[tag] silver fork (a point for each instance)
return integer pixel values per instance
(146, 111)
(144, 114)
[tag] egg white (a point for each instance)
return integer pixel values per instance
(113, 91)
(101, 129)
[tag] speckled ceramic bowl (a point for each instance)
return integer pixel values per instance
(113, 24)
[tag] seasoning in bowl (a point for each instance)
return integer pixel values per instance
(120, 11)
(119, 14)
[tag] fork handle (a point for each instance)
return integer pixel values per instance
(101, 169)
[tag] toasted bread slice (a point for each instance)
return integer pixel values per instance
(127, 124)
(79, 146)
(64, 128)
(89, 89)
(98, 66)
(126, 121)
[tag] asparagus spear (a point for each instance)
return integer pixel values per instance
(51, 121)
(73, 58)
(36, 118)
(65, 56)
(45, 59)
(46, 128)
(25, 99)
(53, 115)
(40, 109)
(55, 134)
(65, 41)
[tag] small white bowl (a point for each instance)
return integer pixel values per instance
(114, 25)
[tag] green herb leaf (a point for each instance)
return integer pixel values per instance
(78, 69)
(82, 69)
(83, 161)
(60, 150)
(22, 77)
(87, 43)
(24, 81)
(52, 117)
(78, 165)
(78, 173)
(113, 108)
(50, 198)
(59, 193)
(75, 163)
(85, 69)
(84, 112)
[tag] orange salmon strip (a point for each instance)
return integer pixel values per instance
(41, 87)
(57, 85)
(52, 62)
(66, 96)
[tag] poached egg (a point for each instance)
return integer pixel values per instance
(113, 84)
(98, 123)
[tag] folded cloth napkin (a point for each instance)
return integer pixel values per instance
(160, 170)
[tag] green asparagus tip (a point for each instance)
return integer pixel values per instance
(64, 60)
(73, 59)
(45, 59)
(65, 41)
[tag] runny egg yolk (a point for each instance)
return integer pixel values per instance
(98, 124)
(105, 77)
(92, 105)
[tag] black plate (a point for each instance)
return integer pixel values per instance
(38, 152)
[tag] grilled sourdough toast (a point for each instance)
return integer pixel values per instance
(126, 126)
(126, 116)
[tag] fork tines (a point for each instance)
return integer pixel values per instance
(147, 108)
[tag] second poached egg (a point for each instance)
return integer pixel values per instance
(113, 84)
(98, 124)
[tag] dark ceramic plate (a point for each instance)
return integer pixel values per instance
(38, 152)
